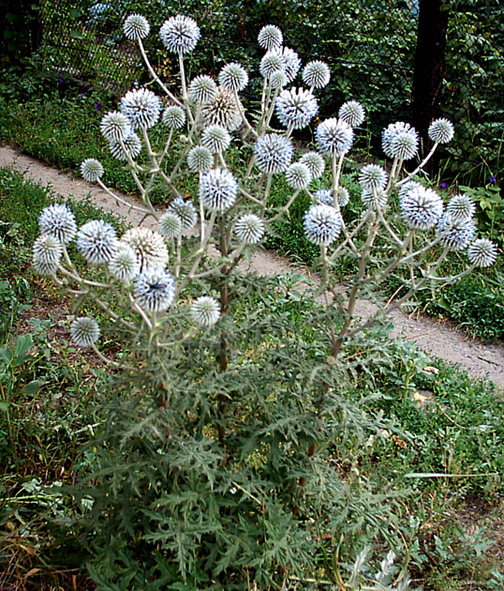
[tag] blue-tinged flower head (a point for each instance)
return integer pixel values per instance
(421, 208)
(180, 34)
(97, 242)
(218, 189)
(174, 117)
(223, 110)
(352, 113)
(115, 126)
(85, 332)
(461, 208)
(130, 146)
(91, 170)
(441, 131)
(372, 177)
(482, 252)
(455, 235)
(170, 225)
(316, 74)
(298, 176)
(203, 89)
(273, 153)
(334, 137)
(296, 107)
(200, 159)
(322, 224)
(59, 222)
(136, 27)
(315, 163)
(154, 290)
(142, 107)
(233, 77)
(125, 265)
(47, 253)
(186, 212)
(400, 140)
(249, 228)
(270, 37)
(216, 139)
(271, 63)
(205, 311)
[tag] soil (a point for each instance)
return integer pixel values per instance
(435, 336)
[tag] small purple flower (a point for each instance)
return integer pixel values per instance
(98, 105)
(443, 185)
(61, 78)
(492, 179)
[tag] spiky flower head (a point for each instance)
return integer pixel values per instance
(218, 189)
(233, 77)
(180, 34)
(85, 332)
(375, 199)
(342, 196)
(298, 176)
(97, 242)
(406, 187)
(154, 290)
(421, 208)
(205, 311)
(47, 253)
(149, 247)
(124, 265)
(249, 228)
(136, 27)
(203, 89)
(216, 139)
(352, 113)
(400, 140)
(316, 74)
(460, 208)
(334, 137)
(372, 177)
(292, 63)
(273, 153)
(270, 37)
(441, 131)
(222, 110)
(174, 117)
(314, 162)
(482, 252)
(142, 107)
(199, 159)
(270, 63)
(296, 107)
(59, 222)
(170, 225)
(131, 146)
(326, 196)
(115, 126)
(91, 170)
(185, 211)
(322, 224)
(278, 79)
(455, 235)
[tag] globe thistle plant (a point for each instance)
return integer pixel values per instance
(270, 37)
(203, 89)
(85, 332)
(115, 126)
(148, 246)
(352, 113)
(322, 224)
(180, 34)
(233, 77)
(334, 137)
(374, 200)
(372, 177)
(315, 163)
(174, 117)
(200, 158)
(142, 107)
(47, 253)
(216, 139)
(170, 225)
(217, 190)
(455, 235)
(91, 170)
(482, 252)
(400, 140)
(249, 229)
(154, 290)
(205, 311)
(298, 176)
(136, 27)
(97, 241)
(461, 208)
(421, 208)
(223, 110)
(273, 153)
(186, 211)
(59, 222)
(296, 107)
(125, 265)
(129, 148)
(271, 63)
(441, 131)
(326, 196)
(316, 74)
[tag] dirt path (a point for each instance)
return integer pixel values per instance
(440, 338)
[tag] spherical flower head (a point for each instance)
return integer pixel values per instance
(154, 290)
(233, 77)
(407, 187)
(421, 208)
(314, 162)
(91, 170)
(441, 131)
(97, 242)
(115, 126)
(334, 137)
(482, 252)
(271, 63)
(249, 229)
(455, 235)
(322, 224)
(326, 196)
(296, 107)
(372, 177)
(131, 146)
(200, 159)
(170, 225)
(223, 110)
(203, 89)
(124, 265)
(47, 253)
(352, 113)
(292, 63)
(185, 211)
(461, 208)
(205, 311)
(218, 189)
(216, 139)
(174, 117)
(270, 37)
(180, 34)
(59, 222)
(85, 332)
(400, 140)
(136, 27)
(316, 74)
(273, 153)
(278, 79)
(298, 176)
(373, 200)
(342, 196)
(149, 247)
(142, 107)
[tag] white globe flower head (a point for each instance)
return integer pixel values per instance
(421, 208)
(400, 140)
(233, 77)
(136, 27)
(278, 79)
(216, 139)
(375, 199)
(85, 332)
(352, 113)
(142, 107)
(316, 74)
(407, 187)
(373, 177)
(272, 63)
(47, 253)
(273, 153)
(326, 196)
(174, 117)
(170, 225)
(482, 252)
(91, 170)
(217, 190)
(131, 146)
(296, 107)
(124, 265)
(455, 235)
(180, 34)
(298, 176)
(315, 163)
(148, 246)
(97, 241)
(249, 229)
(154, 290)
(59, 222)
(115, 126)
(223, 110)
(185, 211)
(461, 208)
(202, 89)
(270, 37)
(200, 159)
(441, 131)
(334, 137)
(205, 311)
(342, 196)
(322, 224)
(292, 63)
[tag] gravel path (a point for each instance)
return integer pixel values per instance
(437, 337)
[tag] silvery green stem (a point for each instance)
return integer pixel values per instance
(393, 173)
(167, 145)
(137, 308)
(179, 255)
(244, 116)
(420, 166)
(200, 253)
(193, 332)
(289, 130)
(155, 76)
(348, 240)
(250, 166)
(81, 280)
(387, 226)
(450, 278)
(284, 208)
(271, 108)
(133, 166)
(336, 173)
(397, 261)
(111, 362)
(120, 200)
(184, 86)
(155, 166)
(249, 196)
(267, 189)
